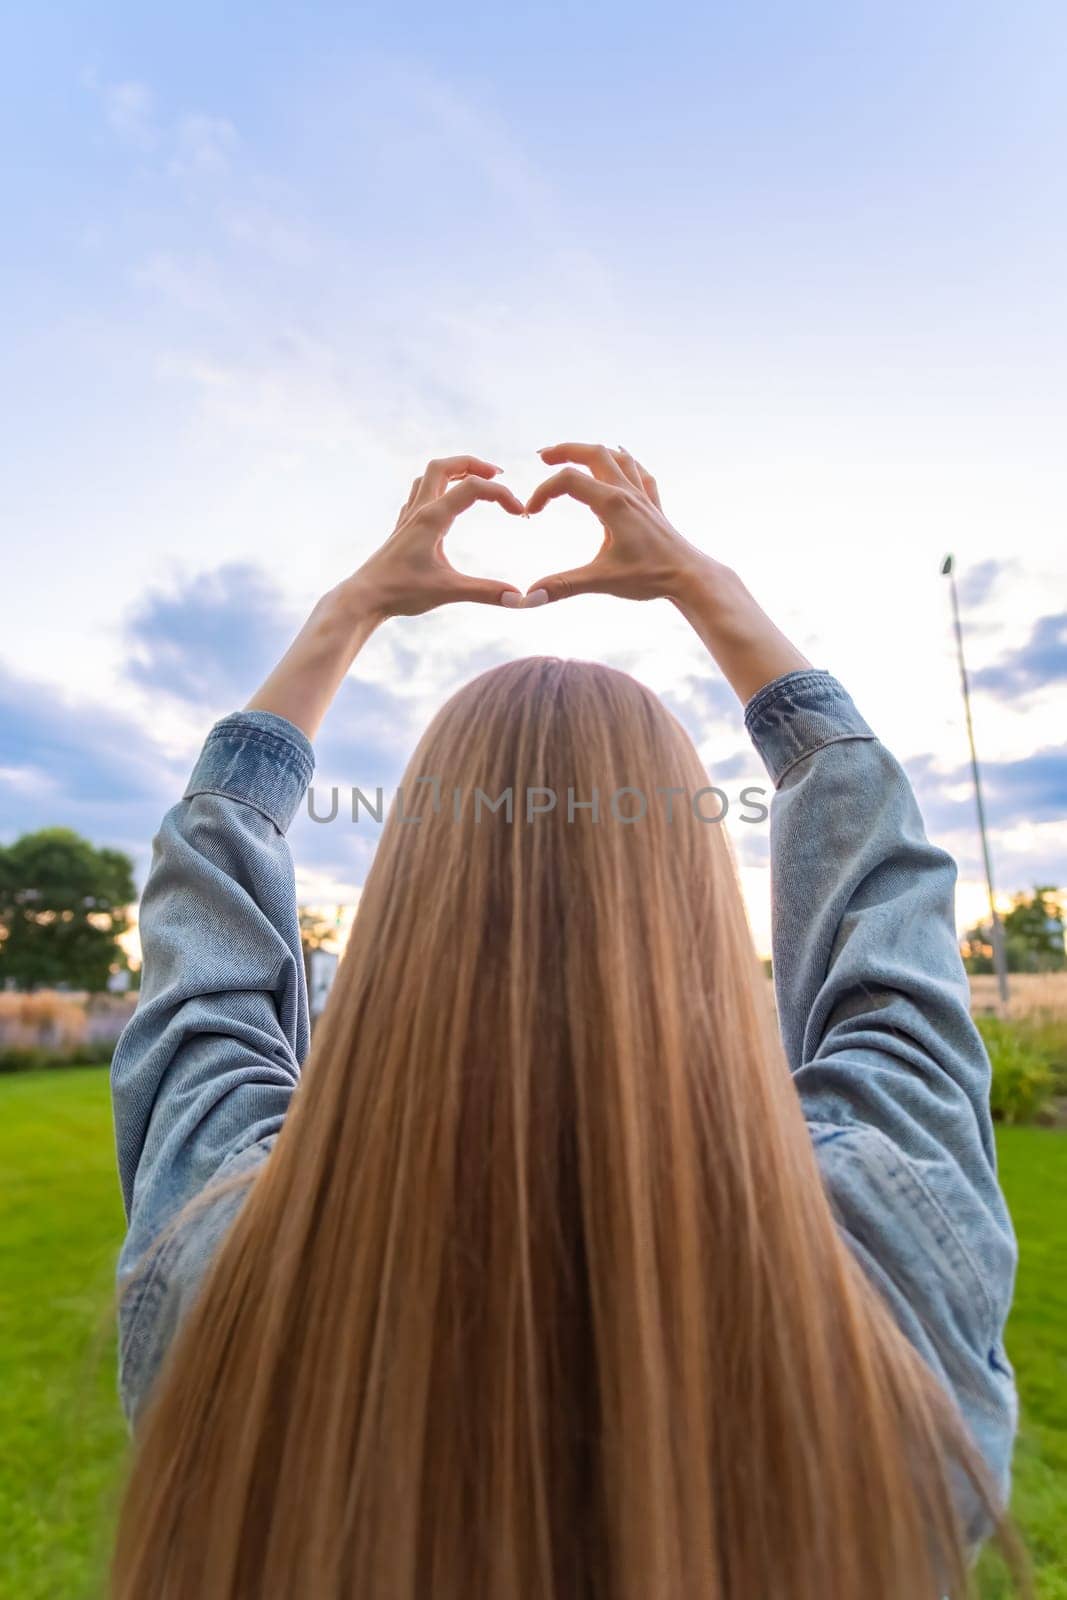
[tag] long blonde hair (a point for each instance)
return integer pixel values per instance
(539, 1295)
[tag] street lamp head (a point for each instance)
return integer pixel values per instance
(946, 566)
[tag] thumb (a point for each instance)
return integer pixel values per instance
(485, 591)
(565, 585)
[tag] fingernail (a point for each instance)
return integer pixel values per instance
(511, 598)
(536, 597)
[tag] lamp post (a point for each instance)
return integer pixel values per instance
(999, 959)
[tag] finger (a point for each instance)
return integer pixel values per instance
(648, 483)
(629, 466)
(589, 579)
(467, 491)
(597, 457)
(412, 492)
(485, 591)
(602, 497)
(440, 473)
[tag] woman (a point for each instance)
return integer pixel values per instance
(552, 1274)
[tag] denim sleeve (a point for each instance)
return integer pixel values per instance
(208, 1063)
(874, 1009)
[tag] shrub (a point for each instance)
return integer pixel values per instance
(1046, 1035)
(33, 1057)
(1023, 1083)
(23, 1057)
(46, 1020)
(50, 1029)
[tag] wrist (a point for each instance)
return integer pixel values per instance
(704, 587)
(748, 647)
(306, 679)
(353, 604)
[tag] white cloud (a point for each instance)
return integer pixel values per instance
(193, 143)
(129, 108)
(202, 144)
(190, 282)
(255, 219)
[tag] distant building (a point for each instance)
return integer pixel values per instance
(321, 968)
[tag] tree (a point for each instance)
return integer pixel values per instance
(1033, 935)
(976, 948)
(1033, 930)
(63, 905)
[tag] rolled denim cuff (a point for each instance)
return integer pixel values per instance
(257, 758)
(800, 713)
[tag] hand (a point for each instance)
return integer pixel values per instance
(411, 574)
(408, 575)
(642, 557)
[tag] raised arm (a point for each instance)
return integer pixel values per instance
(206, 1067)
(409, 575)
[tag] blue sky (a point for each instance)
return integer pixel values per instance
(806, 260)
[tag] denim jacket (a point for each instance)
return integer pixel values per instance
(873, 1004)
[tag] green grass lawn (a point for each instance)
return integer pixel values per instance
(61, 1435)
(1033, 1170)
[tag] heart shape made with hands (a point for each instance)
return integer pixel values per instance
(517, 556)
(594, 475)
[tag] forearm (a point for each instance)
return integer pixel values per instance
(747, 646)
(304, 682)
